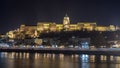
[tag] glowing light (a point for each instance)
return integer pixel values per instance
(85, 58)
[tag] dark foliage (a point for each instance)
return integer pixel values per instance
(97, 38)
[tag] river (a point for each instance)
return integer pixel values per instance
(47, 60)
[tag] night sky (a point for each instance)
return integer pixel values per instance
(13, 13)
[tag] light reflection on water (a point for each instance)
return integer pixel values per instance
(46, 60)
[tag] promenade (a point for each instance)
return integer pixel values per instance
(103, 51)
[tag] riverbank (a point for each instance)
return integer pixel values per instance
(103, 51)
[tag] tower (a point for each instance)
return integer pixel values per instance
(66, 22)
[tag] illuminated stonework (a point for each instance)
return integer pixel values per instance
(34, 31)
(66, 23)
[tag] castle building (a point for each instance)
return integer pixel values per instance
(34, 31)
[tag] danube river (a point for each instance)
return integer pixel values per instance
(47, 60)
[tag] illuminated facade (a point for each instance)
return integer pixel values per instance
(34, 31)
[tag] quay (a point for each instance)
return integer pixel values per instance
(97, 51)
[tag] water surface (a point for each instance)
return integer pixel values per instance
(46, 60)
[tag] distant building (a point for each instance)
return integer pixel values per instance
(34, 31)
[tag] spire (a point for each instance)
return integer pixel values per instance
(66, 15)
